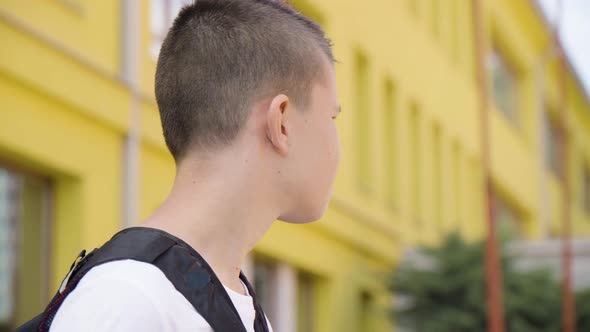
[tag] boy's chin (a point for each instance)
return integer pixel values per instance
(297, 221)
(303, 218)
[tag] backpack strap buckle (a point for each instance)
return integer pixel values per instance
(77, 262)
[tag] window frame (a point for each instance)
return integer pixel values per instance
(504, 207)
(586, 188)
(498, 59)
(47, 224)
(552, 145)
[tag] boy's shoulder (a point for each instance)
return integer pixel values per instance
(127, 295)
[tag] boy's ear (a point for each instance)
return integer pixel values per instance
(276, 123)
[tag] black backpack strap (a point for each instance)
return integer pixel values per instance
(36, 324)
(145, 249)
(260, 322)
(194, 279)
(183, 266)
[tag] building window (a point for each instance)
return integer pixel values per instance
(437, 175)
(363, 130)
(390, 133)
(306, 300)
(457, 181)
(435, 17)
(506, 217)
(162, 15)
(265, 285)
(504, 87)
(366, 311)
(286, 294)
(586, 189)
(24, 247)
(552, 143)
(416, 162)
(455, 26)
(72, 5)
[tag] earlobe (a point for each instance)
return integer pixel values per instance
(276, 126)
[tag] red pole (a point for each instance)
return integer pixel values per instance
(495, 311)
(567, 305)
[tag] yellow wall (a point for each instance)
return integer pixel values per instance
(64, 113)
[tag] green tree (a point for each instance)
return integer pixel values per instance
(445, 292)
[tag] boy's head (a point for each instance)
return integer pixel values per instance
(227, 65)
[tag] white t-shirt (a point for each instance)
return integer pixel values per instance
(128, 295)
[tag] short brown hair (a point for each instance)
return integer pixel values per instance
(220, 56)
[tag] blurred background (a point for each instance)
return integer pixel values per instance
(450, 107)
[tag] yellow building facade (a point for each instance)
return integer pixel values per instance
(82, 155)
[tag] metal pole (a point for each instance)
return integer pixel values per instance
(495, 312)
(130, 74)
(568, 305)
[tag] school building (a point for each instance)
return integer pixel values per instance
(82, 154)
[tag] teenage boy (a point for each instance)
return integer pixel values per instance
(247, 99)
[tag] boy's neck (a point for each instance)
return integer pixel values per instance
(220, 212)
